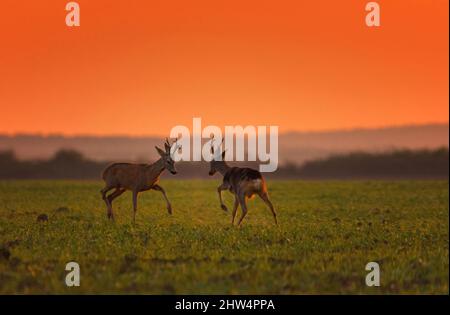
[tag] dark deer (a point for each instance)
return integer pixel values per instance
(137, 178)
(242, 182)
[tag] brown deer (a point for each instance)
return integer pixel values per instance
(244, 183)
(137, 178)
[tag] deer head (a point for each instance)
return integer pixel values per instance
(217, 158)
(166, 155)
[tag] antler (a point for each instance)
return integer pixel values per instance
(177, 146)
(167, 145)
(212, 144)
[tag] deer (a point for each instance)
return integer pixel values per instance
(243, 183)
(137, 178)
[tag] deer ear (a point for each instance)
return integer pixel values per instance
(160, 152)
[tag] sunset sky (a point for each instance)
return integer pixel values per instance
(140, 67)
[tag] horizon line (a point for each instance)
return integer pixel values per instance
(287, 132)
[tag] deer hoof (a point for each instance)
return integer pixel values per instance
(224, 208)
(169, 210)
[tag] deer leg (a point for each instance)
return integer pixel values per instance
(109, 200)
(159, 188)
(265, 197)
(135, 194)
(105, 199)
(219, 191)
(243, 207)
(235, 206)
(103, 192)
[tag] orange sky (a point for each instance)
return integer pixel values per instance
(142, 67)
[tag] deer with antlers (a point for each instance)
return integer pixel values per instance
(244, 183)
(137, 178)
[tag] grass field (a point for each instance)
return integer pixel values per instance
(327, 233)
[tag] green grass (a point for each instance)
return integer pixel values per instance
(327, 233)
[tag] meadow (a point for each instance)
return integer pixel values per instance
(328, 231)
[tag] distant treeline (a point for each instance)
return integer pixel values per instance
(406, 164)
(65, 164)
(396, 164)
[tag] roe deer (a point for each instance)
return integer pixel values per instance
(137, 178)
(242, 182)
